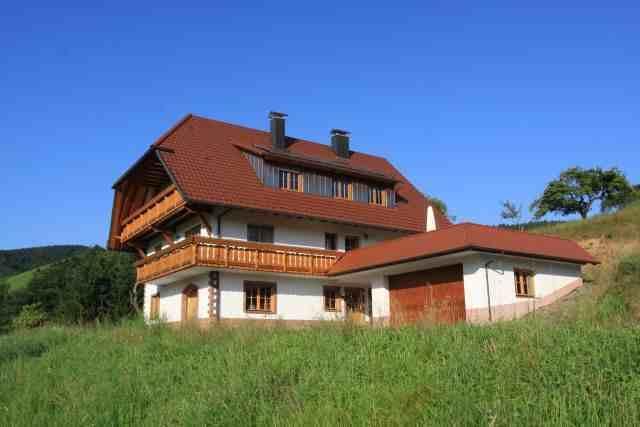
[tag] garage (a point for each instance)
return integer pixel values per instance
(435, 295)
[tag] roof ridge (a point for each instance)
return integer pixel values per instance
(172, 129)
(308, 141)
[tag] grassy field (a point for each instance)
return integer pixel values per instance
(520, 373)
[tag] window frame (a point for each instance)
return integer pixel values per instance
(261, 228)
(529, 276)
(337, 298)
(347, 238)
(341, 184)
(286, 177)
(273, 297)
(375, 196)
(334, 238)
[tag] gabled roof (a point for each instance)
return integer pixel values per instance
(204, 159)
(459, 238)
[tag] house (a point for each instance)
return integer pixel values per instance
(231, 223)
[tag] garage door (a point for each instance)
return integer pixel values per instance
(435, 295)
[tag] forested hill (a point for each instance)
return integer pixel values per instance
(16, 261)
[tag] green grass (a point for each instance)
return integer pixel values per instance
(623, 225)
(518, 373)
(20, 280)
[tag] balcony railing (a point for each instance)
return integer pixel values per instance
(262, 257)
(160, 207)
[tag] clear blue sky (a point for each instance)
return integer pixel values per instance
(475, 102)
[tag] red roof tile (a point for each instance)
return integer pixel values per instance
(204, 159)
(460, 238)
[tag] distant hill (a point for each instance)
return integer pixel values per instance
(17, 261)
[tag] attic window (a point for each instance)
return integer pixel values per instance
(288, 180)
(376, 196)
(341, 189)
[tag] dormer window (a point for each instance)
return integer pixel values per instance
(288, 180)
(341, 189)
(376, 196)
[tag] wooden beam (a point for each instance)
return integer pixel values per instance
(165, 234)
(138, 249)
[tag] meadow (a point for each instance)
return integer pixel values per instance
(527, 372)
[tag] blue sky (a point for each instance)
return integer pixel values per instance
(475, 102)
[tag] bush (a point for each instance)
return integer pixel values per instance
(31, 316)
(628, 271)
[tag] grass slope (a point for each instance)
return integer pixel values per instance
(517, 373)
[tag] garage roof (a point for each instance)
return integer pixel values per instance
(458, 238)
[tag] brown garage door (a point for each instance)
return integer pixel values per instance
(429, 295)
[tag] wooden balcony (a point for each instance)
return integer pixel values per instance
(160, 207)
(261, 257)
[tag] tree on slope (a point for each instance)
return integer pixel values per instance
(511, 212)
(577, 189)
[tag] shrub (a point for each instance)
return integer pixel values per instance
(628, 271)
(31, 316)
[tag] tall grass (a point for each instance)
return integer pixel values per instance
(525, 372)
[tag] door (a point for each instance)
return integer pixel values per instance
(190, 303)
(435, 295)
(355, 303)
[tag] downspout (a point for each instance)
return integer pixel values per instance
(486, 272)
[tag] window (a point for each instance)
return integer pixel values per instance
(157, 248)
(524, 283)
(193, 231)
(351, 243)
(288, 180)
(154, 311)
(259, 297)
(260, 233)
(331, 298)
(375, 196)
(341, 189)
(330, 241)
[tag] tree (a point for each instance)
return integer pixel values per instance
(577, 189)
(511, 212)
(439, 204)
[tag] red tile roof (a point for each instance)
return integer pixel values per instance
(205, 160)
(458, 238)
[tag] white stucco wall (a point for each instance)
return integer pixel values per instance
(297, 298)
(171, 298)
(550, 277)
(295, 232)
(380, 305)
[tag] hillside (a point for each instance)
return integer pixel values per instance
(614, 239)
(17, 261)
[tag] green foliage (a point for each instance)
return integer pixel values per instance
(20, 280)
(18, 260)
(518, 373)
(97, 284)
(439, 204)
(577, 189)
(31, 316)
(623, 226)
(511, 212)
(628, 272)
